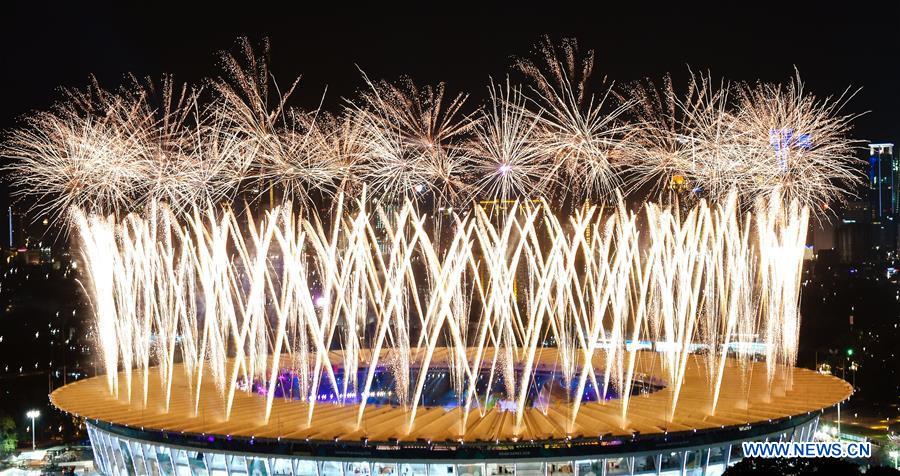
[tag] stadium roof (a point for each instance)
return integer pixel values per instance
(746, 397)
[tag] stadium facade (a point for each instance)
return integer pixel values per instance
(192, 433)
(120, 451)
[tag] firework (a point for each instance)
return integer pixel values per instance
(294, 287)
(411, 139)
(756, 140)
(586, 140)
(807, 156)
(504, 152)
(113, 152)
(146, 173)
(87, 155)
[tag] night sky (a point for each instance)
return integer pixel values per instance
(45, 46)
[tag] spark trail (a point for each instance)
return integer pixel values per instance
(244, 301)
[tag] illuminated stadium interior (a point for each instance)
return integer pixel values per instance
(130, 437)
(545, 385)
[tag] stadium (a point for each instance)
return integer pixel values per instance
(547, 284)
(130, 438)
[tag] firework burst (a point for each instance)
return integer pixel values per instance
(795, 144)
(587, 143)
(504, 151)
(757, 140)
(235, 294)
(110, 152)
(411, 137)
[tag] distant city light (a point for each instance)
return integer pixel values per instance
(33, 414)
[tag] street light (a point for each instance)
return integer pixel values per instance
(33, 414)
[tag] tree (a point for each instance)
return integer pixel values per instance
(882, 471)
(792, 466)
(8, 438)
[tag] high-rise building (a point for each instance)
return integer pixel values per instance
(853, 232)
(883, 170)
